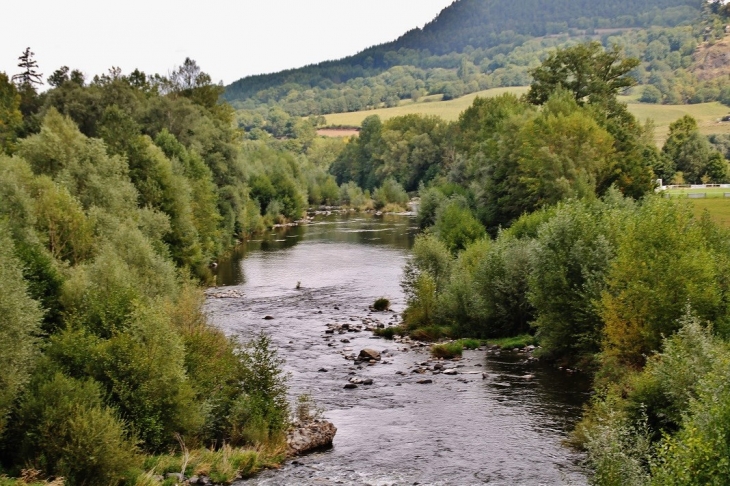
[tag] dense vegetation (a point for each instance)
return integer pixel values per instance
(115, 196)
(610, 278)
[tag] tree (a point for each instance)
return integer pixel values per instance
(11, 119)
(687, 151)
(587, 70)
(29, 76)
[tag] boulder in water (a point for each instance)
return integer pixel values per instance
(307, 437)
(368, 354)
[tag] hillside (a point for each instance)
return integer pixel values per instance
(469, 47)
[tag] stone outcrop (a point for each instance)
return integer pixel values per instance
(303, 438)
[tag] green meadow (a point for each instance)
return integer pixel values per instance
(715, 203)
(706, 114)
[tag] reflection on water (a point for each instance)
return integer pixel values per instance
(499, 421)
(389, 231)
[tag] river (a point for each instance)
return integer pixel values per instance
(500, 421)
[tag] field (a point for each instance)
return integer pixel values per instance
(430, 105)
(706, 114)
(716, 204)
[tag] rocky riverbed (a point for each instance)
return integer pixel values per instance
(402, 417)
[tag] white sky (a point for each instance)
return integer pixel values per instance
(229, 39)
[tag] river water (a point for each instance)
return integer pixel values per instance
(500, 421)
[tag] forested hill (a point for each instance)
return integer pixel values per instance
(474, 24)
(481, 23)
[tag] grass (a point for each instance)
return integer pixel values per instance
(448, 110)
(706, 114)
(388, 332)
(381, 304)
(447, 350)
(717, 208)
(513, 342)
(430, 333)
(221, 466)
(715, 204)
(470, 343)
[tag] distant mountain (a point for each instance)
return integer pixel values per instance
(490, 27)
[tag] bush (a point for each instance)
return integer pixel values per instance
(431, 199)
(65, 430)
(381, 304)
(448, 350)
(651, 94)
(390, 192)
(261, 414)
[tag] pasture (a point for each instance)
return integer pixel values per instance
(715, 203)
(706, 114)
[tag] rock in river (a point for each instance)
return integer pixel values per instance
(369, 354)
(307, 437)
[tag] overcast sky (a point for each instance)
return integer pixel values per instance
(229, 39)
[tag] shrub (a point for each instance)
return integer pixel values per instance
(447, 350)
(381, 304)
(431, 199)
(514, 342)
(261, 414)
(143, 372)
(390, 192)
(65, 430)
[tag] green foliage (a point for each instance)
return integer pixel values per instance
(381, 304)
(390, 192)
(676, 267)
(470, 343)
(11, 119)
(143, 372)
(261, 413)
(456, 226)
(690, 153)
(447, 350)
(409, 149)
(520, 341)
(570, 261)
(66, 430)
(388, 332)
(430, 200)
(20, 318)
(587, 71)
